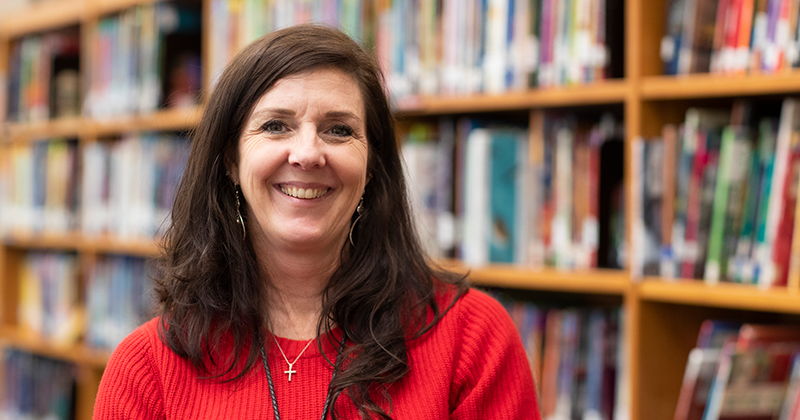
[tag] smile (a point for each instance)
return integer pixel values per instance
(304, 193)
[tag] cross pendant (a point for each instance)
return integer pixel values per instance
(290, 372)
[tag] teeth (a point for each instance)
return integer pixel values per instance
(304, 193)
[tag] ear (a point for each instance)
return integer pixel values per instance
(231, 161)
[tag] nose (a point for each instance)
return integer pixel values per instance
(307, 151)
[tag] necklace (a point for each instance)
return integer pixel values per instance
(290, 371)
(274, 398)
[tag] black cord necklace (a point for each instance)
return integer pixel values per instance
(328, 397)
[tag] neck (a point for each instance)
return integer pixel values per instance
(296, 283)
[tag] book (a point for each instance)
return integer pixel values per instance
(751, 382)
(701, 367)
(740, 265)
(694, 55)
(673, 36)
(119, 299)
(697, 123)
(672, 145)
(791, 403)
(37, 387)
(715, 333)
(753, 335)
(734, 155)
(789, 123)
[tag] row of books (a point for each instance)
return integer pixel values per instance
(36, 387)
(576, 358)
(43, 79)
(466, 47)
(117, 297)
(143, 59)
(128, 186)
(731, 36)
(236, 23)
(716, 197)
(491, 192)
(125, 187)
(49, 301)
(38, 186)
(742, 371)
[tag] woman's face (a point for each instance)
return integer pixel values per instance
(302, 162)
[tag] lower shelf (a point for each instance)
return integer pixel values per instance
(78, 354)
(722, 295)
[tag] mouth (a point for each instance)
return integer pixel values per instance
(304, 193)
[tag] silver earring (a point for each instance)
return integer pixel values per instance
(359, 210)
(239, 218)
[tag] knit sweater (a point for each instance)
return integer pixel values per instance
(470, 365)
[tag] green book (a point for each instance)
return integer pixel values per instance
(717, 230)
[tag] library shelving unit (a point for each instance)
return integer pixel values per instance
(662, 318)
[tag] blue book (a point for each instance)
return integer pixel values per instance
(502, 182)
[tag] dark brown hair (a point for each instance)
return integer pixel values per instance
(210, 284)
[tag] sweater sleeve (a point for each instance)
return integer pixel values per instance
(493, 378)
(130, 387)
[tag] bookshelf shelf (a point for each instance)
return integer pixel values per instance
(12, 337)
(166, 120)
(723, 295)
(713, 86)
(63, 127)
(45, 15)
(102, 7)
(605, 93)
(81, 243)
(65, 241)
(600, 281)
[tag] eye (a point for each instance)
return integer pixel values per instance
(341, 131)
(274, 127)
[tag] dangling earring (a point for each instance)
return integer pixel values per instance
(239, 218)
(359, 210)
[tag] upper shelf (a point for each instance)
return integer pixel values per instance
(42, 16)
(722, 295)
(603, 92)
(53, 14)
(598, 281)
(168, 119)
(713, 86)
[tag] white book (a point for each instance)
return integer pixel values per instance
(474, 246)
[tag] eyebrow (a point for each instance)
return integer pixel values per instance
(290, 113)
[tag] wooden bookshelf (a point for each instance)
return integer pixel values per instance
(67, 352)
(44, 16)
(603, 93)
(177, 119)
(662, 317)
(722, 295)
(63, 127)
(81, 243)
(712, 86)
(599, 281)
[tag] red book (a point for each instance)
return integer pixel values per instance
(693, 208)
(782, 246)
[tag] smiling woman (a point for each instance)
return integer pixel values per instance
(292, 281)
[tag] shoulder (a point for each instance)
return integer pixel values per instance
(132, 381)
(141, 348)
(474, 310)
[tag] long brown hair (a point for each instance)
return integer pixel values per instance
(210, 283)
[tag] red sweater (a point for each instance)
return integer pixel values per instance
(471, 365)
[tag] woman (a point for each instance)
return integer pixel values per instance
(292, 282)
